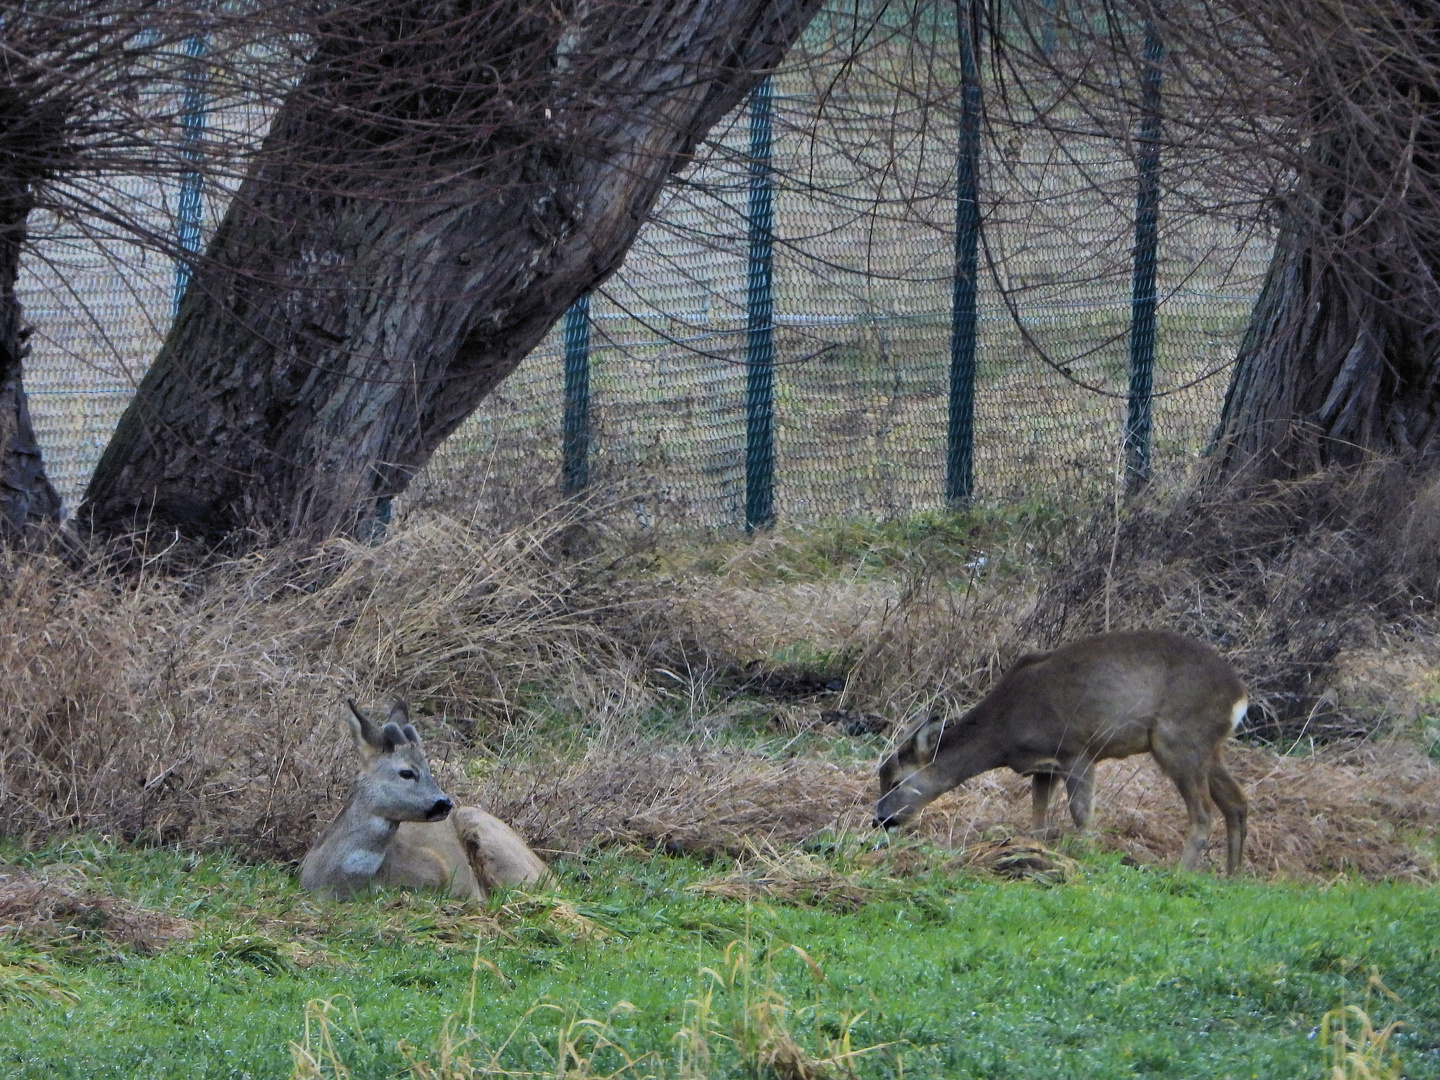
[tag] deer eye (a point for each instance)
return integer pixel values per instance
(407, 774)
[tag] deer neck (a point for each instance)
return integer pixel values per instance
(350, 852)
(977, 754)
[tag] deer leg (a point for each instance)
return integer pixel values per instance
(1080, 785)
(1231, 800)
(1041, 785)
(1190, 772)
(1192, 785)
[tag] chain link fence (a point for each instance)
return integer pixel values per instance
(863, 258)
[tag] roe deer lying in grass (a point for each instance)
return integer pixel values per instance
(397, 827)
(1056, 714)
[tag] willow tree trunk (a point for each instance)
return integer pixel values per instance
(1342, 356)
(1336, 364)
(29, 506)
(386, 265)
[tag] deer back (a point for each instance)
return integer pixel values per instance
(1106, 696)
(496, 852)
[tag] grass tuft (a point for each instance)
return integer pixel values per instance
(1018, 859)
(788, 877)
(1365, 1054)
(26, 979)
(738, 1006)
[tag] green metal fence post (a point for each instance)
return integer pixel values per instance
(960, 455)
(1048, 27)
(192, 130)
(1142, 300)
(575, 433)
(760, 321)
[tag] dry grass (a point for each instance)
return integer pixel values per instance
(675, 799)
(1362, 1053)
(737, 1011)
(1321, 591)
(939, 623)
(201, 709)
(1285, 580)
(1370, 812)
(1020, 859)
(62, 909)
(791, 876)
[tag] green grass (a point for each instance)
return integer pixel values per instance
(1121, 972)
(1003, 536)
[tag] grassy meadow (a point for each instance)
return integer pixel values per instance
(686, 727)
(631, 967)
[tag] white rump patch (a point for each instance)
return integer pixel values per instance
(1237, 713)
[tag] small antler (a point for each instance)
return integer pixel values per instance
(368, 738)
(371, 738)
(398, 727)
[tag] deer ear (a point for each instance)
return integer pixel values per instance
(399, 714)
(927, 737)
(393, 735)
(368, 739)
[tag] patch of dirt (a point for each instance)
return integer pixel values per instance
(65, 911)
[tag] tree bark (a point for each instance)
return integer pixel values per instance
(29, 506)
(1342, 356)
(373, 281)
(1330, 370)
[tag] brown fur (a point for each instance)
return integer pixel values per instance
(1054, 715)
(398, 828)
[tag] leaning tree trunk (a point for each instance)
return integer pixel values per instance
(374, 280)
(29, 506)
(1335, 365)
(1342, 356)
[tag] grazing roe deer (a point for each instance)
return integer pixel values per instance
(397, 827)
(1055, 714)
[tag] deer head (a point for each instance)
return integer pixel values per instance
(394, 781)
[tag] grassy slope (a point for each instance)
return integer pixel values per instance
(1123, 971)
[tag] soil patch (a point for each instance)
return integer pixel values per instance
(65, 911)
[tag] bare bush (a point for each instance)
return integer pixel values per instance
(201, 709)
(1283, 579)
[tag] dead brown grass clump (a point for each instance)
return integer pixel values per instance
(788, 877)
(1020, 859)
(674, 798)
(202, 709)
(59, 912)
(1370, 812)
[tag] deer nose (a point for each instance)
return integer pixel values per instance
(884, 821)
(441, 808)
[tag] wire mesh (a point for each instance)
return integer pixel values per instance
(863, 265)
